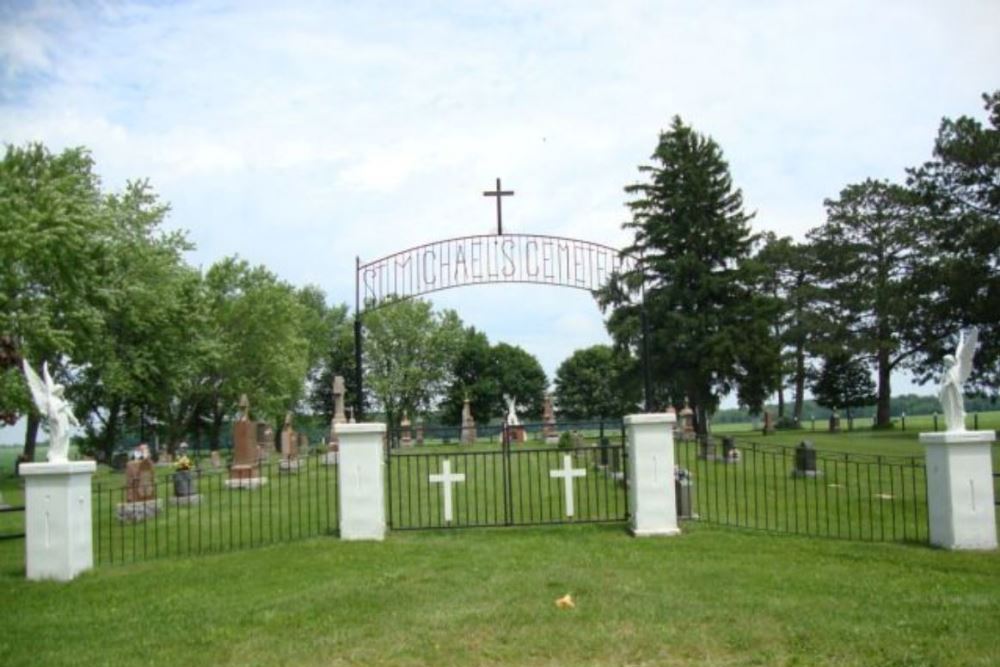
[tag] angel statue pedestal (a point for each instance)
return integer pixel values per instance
(960, 465)
(58, 529)
(960, 489)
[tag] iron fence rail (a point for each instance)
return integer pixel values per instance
(289, 505)
(509, 487)
(839, 495)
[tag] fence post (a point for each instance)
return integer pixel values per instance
(361, 481)
(59, 541)
(651, 491)
(960, 489)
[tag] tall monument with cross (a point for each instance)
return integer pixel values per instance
(499, 193)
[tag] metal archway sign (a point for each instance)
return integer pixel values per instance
(482, 260)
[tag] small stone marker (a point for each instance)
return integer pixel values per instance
(446, 479)
(768, 423)
(567, 473)
(687, 421)
(834, 422)
(406, 438)
(216, 459)
(729, 452)
(140, 481)
(805, 460)
(244, 473)
(289, 447)
(140, 492)
(549, 432)
(468, 424)
(339, 417)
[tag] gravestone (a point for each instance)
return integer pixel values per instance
(406, 438)
(244, 473)
(805, 460)
(420, 431)
(264, 435)
(216, 459)
(768, 423)
(729, 452)
(468, 424)
(549, 432)
(289, 447)
(687, 421)
(140, 481)
(303, 444)
(834, 422)
(140, 492)
(331, 457)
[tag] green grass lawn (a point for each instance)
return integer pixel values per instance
(710, 596)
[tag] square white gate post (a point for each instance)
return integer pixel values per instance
(57, 519)
(960, 489)
(361, 481)
(651, 474)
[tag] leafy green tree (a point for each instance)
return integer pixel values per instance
(789, 276)
(474, 374)
(520, 376)
(844, 382)
(263, 350)
(338, 360)
(592, 384)
(958, 206)
(145, 351)
(51, 246)
(692, 239)
(868, 252)
(409, 352)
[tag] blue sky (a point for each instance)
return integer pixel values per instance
(300, 135)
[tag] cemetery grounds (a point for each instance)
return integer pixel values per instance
(714, 595)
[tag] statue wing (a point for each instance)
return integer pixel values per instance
(39, 391)
(964, 353)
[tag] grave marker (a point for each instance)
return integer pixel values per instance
(446, 479)
(567, 473)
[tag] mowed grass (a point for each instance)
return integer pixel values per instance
(862, 439)
(708, 597)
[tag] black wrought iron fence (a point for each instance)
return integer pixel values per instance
(162, 513)
(803, 491)
(519, 479)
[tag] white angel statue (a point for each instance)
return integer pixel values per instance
(48, 396)
(512, 419)
(957, 372)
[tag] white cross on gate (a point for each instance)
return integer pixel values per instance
(568, 472)
(446, 479)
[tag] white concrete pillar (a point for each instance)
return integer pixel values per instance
(651, 474)
(960, 489)
(58, 525)
(361, 481)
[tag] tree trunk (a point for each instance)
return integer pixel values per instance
(781, 400)
(110, 431)
(800, 382)
(882, 417)
(30, 437)
(216, 435)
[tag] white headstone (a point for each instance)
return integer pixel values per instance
(567, 473)
(446, 479)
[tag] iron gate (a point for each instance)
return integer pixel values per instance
(510, 484)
